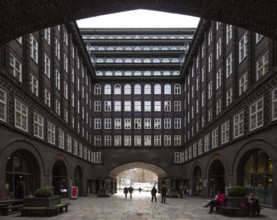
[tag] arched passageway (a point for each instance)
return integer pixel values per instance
(60, 178)
(22, 17)
(22, 175)
(197, 181)
(216, 178)
(78, 179)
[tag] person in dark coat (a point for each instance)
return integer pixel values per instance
(163, 191)
(131, 189)
(125, 191)
(153, 193)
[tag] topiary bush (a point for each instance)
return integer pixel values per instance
(236, 191)
(43, 192)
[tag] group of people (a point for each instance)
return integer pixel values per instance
(126, 190)
(163, 193)
(251, 202)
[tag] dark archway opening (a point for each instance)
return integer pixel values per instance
(197, 181)
(60, 179)
(78, 179)
(216, 178)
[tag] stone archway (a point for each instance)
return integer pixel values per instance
(197, 180)
(216, 178)
(22, 17)
(78, 179)
(60, 178)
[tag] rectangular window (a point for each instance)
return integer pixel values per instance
(127, 106)
(167, 140)
(65, 115)
(108, 140)
(177, 140)
(137, 123)
(210, 89)
(65, 93)
(57, 49)
(108, 123)
(97, 106)
(147, 123)
(228, 33)
(57, 79)
(215, 138)
(243, 83)
(207, 142)
(225, 132)
(157, 140)
(167, 106)
(238, 125)
(33, 48)
(97, 140)
(60, 139)
(167, 123)
(177, 106)
(258, 37)
(68, 143)
(210, 62)
(34, 85)
(117, 123)
(80, 150)
(256, 114)
(107, 106)
(137, 106)
(229, 68)
(117, 106)
(75, 147)
(16, 68)
(3, 105)
(229, 97)
(137, 140)
(218, 79)
(147, 140)
(117, 140)
(262, 66)
(46, 66)
(97, 157)
(65, 63)
(38, 125)
(127, 123)
(58, 107)
(97, 123)
(21, 116)
(200, 146)
(47, 98)
(243, 47)
(177, 123)
(218, 107)
(51, 131)
(274, 104)
(218, 48)
(179, 157)
(157, 106)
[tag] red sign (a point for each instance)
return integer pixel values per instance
(74, 192)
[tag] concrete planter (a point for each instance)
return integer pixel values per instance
(234, 201)
(41, 202)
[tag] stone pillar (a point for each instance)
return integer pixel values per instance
(167, 183)
(108, 185)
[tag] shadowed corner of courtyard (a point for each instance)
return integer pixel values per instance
(117, 207)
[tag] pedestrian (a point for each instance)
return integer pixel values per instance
(140, 189)
(131, 189)
(163, 191)
(218, 200)
(153, 193)
(125, 190)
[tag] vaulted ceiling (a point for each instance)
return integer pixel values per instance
(19, 17)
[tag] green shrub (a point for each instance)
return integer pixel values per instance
(236, 191)
(43, 192)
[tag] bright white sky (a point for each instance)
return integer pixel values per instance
(139, 19)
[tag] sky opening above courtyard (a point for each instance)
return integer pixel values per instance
(140, 19)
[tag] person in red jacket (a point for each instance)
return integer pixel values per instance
(218, 200)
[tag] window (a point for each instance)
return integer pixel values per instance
(256, 114)
(167, 140)
(137, 106)
(58, 79)
(167, 106)
(157, 89)
(117, 89)
(97, 140)
(137, 123)
(57, 49)
(47, 98)
(218, 48)
(243, 83)
(147, 140)
(215, 138)
(210, 62)
(147, 123)
(72, 99)
(3, 105)
(127, 123)
(51, 131)
(258, 37)
(127, 89)
(210, 114)
(228, 33)
(167, 123)
(107, 140)
(58, 107)
(107, 106)
(177, 140)
(38, 125)
(21, 116)
(117, 123)
(179, 157)
(137, 140)
(157, 123)
(97, 123)
(167, 89)
(177, 123)
(210, 89)
(16, 68)
(65, 93)
(46, 66)
(147, 106)
(65, 114)
(262, 66)
(127, 106)
(65, 63)
(97, 157)
(274, 104)
(107, 89)
(117, 106)
(218, 107)
(117, 140)
(229, 97)
(177, 106)
(210, 36)
(34, 85)
(137, 89)
(243, 47)
(108, 123)
(206, 142)
(80, 153)
(238, 124)
(147, 89)
(177, 89)
(75, 147)
(97, 89)
(229, 65)
(225, 135)
(218, 79)
(97, 106)
(68, 143)
(60, 139)
(33, 48)
(157, 140)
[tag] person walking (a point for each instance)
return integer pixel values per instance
(131, 189)
(125, 190)
(163, 191)
(153, 193)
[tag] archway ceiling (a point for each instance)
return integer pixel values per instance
(157, 170)
(19, 17)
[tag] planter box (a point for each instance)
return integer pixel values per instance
(41, 202)
(234, 201)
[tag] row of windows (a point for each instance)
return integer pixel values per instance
(138, 73)
(137, 36)
(138, 140)
(137, 89)
(54, 136)
(222, 135)
(138, 123)
(137, 60)
(136, 48)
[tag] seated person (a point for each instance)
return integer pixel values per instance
(253, 204)
(218, 200)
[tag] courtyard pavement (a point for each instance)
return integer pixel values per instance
(139, 207)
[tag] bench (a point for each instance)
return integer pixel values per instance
(10, 209)
(62, 207)
(235, 211)
(45, 211)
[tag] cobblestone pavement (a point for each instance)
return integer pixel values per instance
(139, 207)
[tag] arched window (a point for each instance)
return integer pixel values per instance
(167, 89)
(119, 48)
(100, 48)
(173, 48)
(128, 48)
(108, 73)
(147, 73)
(128, 61)
(118, 60)
(107, 89)
(137, 89)
(137, 73)
(128, 73)
(166, 73)
(175, 60)
(147, 89)
(110, 48)
(117, 89)
(177, 89)
(146, 48)
(157, 73)
(165, 60)
(157, 89)
(97, 89)
(156, 61)
(137, 48)
(146, 61)
(127, 89)
(100, 61)
(155, 48)
(164, 48)
(109, 61)
(118, 73)
(137, 60)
